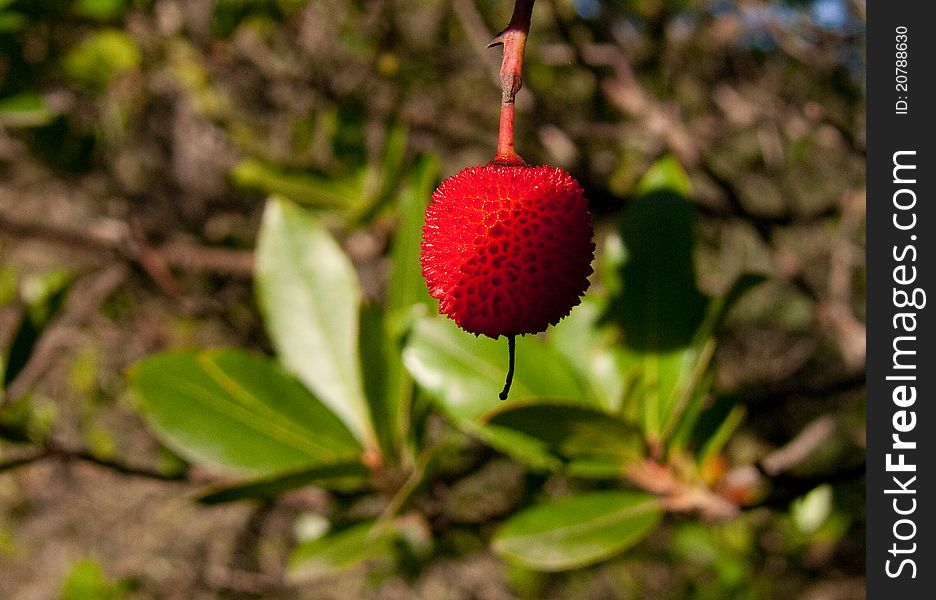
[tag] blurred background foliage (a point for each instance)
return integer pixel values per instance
(139, 140)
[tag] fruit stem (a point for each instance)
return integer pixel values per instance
(511, 352)
(513, 38)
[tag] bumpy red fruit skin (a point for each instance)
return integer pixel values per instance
(507, 250)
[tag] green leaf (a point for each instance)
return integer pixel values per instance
(274, 485)
(341, 550)
(407, 286)
(465, 373)
(305, 188)
(44, 296)
(523, 448)
(600, 444)
(687, 421)
(310, 300)
(682, 405)
(589, 347)
(239, 411)
(386, 384)
(382, 181)
(662, 386)
(715, 426)
(87, 581)
(100, 10)
(102, 56)
(665, 174)
(577, 531)
(25, 110)
(10, 21)
(812, 510)
(660, 307)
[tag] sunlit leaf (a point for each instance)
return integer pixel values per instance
(811, 511)
(239, 411)
(25, 110)
(466, 373)
(100, 10)
(305, 188)
(87, 581)
(590, 347)
(665, 174)
(577, 531)
(101, 56)
(310, 299)
(341, 550)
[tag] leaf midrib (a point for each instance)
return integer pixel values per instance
(646, 506)
(244, 416)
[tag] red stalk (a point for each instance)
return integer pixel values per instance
(513, 38)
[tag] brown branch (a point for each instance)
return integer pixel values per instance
(477, 31)
(54, 451)
(132, 247)
(678, 495)
(111, 465)
(799, 448)
(15, 463)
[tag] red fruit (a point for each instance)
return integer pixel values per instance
(507, 250)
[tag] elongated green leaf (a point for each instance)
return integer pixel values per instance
(660, 308)
(716, 425)
(655, 379)
(388, 385)
(719, 307)
(407, 286)
(382, 180)
(310, 299)
(239, 411)
(274, 485)
(86, 580)
(665, 174)
(382, 369)
(589, 347)
(45, 298)
(694, 377)
(466, 373)
(25, 110)
(340, 550)
(577, 531)
(682, 433)
(101, 56)
(574, 433)
(312, 190)
(533, 453)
